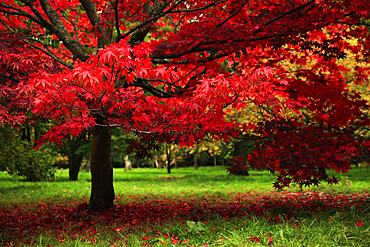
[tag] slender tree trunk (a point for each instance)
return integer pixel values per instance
(196, 158)
(74, 158)
(243, 148)
(168, 154)
(215, 160)
(169, 168)
(322, 170)
(102, 191)
(74, 163)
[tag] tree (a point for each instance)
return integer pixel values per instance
(157, 69)
(18, 157)
(72, 148)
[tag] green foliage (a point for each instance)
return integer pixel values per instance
(19, 158)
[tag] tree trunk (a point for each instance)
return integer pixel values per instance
(74, 163)
(196, 161)
(322, 170)
(168, 155)
(74, 158)
(243, 148)
(102, 191)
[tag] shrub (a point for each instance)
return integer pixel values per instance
(18, 158)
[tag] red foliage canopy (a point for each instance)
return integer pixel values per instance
(169, 68)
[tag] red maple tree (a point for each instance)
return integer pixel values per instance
(167, 70)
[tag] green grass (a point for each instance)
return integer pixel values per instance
(204, 189)
(148, 181)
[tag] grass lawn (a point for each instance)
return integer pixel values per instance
(205, 207)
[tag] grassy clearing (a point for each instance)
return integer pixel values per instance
(205, 207)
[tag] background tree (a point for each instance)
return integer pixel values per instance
(73, 148)
(118, 67)
(18, 157)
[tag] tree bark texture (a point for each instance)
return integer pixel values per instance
(102, 191)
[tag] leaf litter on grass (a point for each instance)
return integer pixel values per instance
(23, 223)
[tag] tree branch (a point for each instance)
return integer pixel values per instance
(94, 18)
(289, 12)
(74, 46)
(145, 84)
(5, 25)
(57, 28)
(19, 12)
(44, 23)
(155, 18)
(116, 17)
(75, 25)
(198, 9)
(10, 78)
(228, 18)
(48, 52)
(90, 11)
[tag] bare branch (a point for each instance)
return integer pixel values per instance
(108, 125)
(141, 132)
(53, 16)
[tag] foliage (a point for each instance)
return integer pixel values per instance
(19, 158)
(167, 70)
